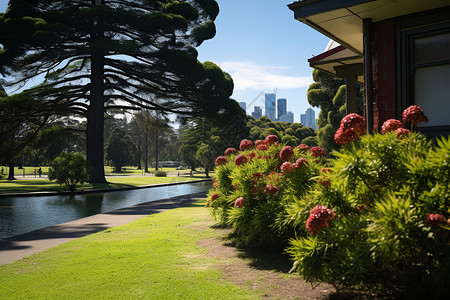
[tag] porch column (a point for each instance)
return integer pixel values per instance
(350, 73)
(368, 72)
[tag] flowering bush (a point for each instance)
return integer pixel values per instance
(352, 127)
(389, 200)
(414, 114)
(269, 183)
(230, 151)
(245, 145)
(221, 160)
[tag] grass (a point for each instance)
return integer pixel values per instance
(156, 257)
(44, 185)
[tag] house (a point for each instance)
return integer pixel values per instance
(399, 49)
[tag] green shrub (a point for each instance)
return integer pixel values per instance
(267, 181)
(389, 196)
(160, 173)
(69, 169)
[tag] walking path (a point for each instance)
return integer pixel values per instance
(26, 244)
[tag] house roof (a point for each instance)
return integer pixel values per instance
(335, 55)
(342, 20)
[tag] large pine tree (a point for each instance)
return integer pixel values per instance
(97, 55)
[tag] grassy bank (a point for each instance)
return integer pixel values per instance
(157, 257)
(44, 185)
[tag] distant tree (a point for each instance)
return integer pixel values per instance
(69, 169)
(206, 154)
(328, 93)
(118, 149)
(100, 55)
(21, 120)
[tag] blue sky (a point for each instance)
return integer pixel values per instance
(264, 49)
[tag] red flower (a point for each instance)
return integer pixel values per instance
(254, 190)
(230, 151)
(214, 196)
(271, 189)
(262, 147)
(287, 167)
(258, 175)
(258, 142)
(215, 184)
(391, 125)
(245, 145)
(301, 162)
(270, 140)
(435, 219)
(303, 147)
(324, 182)
(221, 160)
(240, 202)
(318, 219)
(401, 132)
(240, 159)
(317, 152)
(352, 127)
(286, 153)
(414, 114)
(252, 155)
(326, 170)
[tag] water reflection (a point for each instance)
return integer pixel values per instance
(20, 215)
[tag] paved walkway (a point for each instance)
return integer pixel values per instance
(26, 244)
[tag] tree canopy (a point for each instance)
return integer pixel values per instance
(97, 55)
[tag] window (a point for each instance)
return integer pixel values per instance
(423, 62)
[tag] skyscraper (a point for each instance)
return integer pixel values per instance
(243, 105)
(287, 117)
(257, 112)
(270, 106)
(308, 119)
(281, 107)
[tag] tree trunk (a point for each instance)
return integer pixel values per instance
(146, 152)
(95, 121)
(11, 172)
(157, 149)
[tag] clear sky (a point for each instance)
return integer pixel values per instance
(264, 49)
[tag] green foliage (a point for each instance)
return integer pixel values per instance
(268, 191)
(69, 169)
(382, 191)
(160, 173)
(118, 149)
(328, 93)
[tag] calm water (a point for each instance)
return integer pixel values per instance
(19, 215)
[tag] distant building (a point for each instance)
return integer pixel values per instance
(270, 106)
(243, 105)
(281, 107)
(257, 112)
(287, 117)
(308, 119)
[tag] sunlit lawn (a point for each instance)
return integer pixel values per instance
(44, 185)
(157, 257)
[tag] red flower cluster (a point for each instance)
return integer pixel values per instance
(258, 142)
(221, 160)
(435, 219)
(301, 162)
(252, 155)
(401, 132)
(262, 147)
(414, 114)
(239, 202)
(271, 189)
(270, 140)
(391, 125)
(240, 159)
(230, 151)
(286, 153)
(352, 127)
(258, 175)
(303, 147)
(245, 145)
(214, 196)
(287, 167)
(317, 152)
(318, 218)
(326, 170)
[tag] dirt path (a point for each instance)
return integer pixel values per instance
(275, 284)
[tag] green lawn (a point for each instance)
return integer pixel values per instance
(156, 257)
(44, 185)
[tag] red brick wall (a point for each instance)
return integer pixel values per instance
(384, 71)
